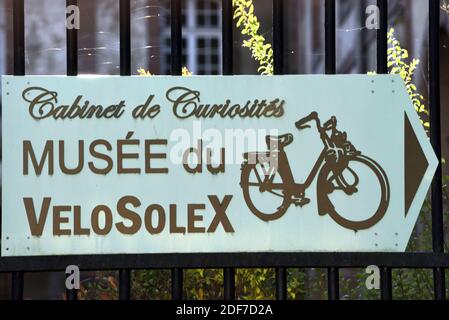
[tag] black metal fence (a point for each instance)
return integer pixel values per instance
(436, 260)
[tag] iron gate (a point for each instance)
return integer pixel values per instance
(436, 260)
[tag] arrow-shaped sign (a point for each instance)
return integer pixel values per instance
(97, 165)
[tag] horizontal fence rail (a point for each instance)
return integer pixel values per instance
(436, 260)
(220, 260)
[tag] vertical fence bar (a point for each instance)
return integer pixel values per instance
(229, 283)
(386, 291)
(227, 37)
(125, 38)
(72, 45)
(19, 37)
(363, 40)
(176, 38)
(124, 292)
(382, 41)
(19, 70)
(435, 139)
(278, 36)
(281, 283)
(228, 69)
(176, 70)
(176, 283)
(17, 285)
(125, 70)
(329, 29)
(382, 68)
(72, 70)
(71, 294)
(330, 68)
(333, 286)
(278, 59)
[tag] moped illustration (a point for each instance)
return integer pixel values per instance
(270, 173)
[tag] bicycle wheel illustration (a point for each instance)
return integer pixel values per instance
(264, 186)
(346, 185)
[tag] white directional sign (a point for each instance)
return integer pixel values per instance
(96, 165)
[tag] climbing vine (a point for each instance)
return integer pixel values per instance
(400, 63)
(146, 73)
(249, 25)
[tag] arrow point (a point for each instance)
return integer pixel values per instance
(416, 164)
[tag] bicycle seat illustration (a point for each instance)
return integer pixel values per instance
(269, 174)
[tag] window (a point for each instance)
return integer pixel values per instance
(207, 56)
(207, 13)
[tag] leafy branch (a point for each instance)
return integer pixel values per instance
(249, 24)
(445, 6)
(145, 73)
(399, 63)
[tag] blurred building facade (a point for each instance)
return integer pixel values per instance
(303, 23)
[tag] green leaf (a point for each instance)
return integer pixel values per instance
(240, 21)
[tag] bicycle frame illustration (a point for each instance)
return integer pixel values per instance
(273, 175)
